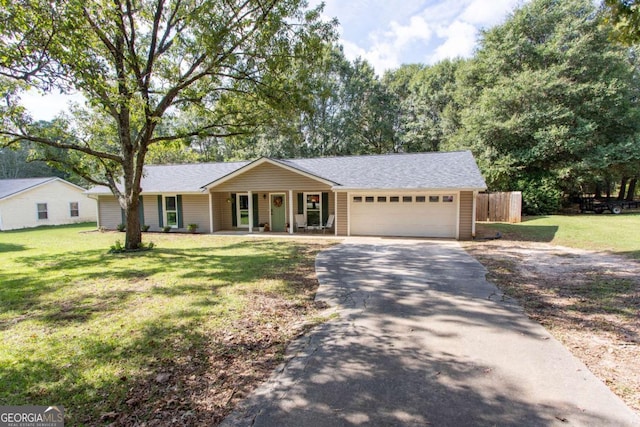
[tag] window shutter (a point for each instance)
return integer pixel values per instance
(122, 216)
(160, 215)
(300, 203)
(180, 220)
(234, 217)
(325, 208)
(255, 210)
(141, 211)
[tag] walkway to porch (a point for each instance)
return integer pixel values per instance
(276, 234)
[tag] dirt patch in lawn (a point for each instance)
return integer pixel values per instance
(589, 301)
(205, 383)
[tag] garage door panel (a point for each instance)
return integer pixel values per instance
(403, 218)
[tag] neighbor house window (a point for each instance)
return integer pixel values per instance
(74, 210)
(42, 211)
(171, 211)
(313, 208)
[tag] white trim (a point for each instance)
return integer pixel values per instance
(284, 199)
(458, 217)
(250, 195)
(348, 214)
(335, 213)
(210, 212)
(290, 211)
(259, 162)
(164, 211)
(238, 217)
(405, 190)
(473, 215)
(304, 203)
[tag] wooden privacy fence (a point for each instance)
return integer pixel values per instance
(499, 207)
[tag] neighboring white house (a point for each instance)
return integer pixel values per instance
(31, 202)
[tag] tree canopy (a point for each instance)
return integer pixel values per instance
(141, 64)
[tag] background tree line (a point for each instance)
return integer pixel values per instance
(548, 104)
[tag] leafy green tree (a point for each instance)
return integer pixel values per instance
(140, 64)
(624, 18)
(547, 99)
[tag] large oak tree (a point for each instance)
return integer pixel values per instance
(141, 64)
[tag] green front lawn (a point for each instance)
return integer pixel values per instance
(147, 333)
(606, 232)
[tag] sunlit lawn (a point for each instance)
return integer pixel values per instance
(79, 326)
(605, 232)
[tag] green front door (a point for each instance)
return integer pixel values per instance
(278, 212)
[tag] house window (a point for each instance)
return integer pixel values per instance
(368, 199)
(42, 211)
(407, 199)
(242, 201)
(74, 210)
(447, 199)
(394, 199)
(313, 209)
(382, 199)
(357, 199)
(171, 211)
(434, 199)
(420, 199)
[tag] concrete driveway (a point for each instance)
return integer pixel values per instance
(422, 339)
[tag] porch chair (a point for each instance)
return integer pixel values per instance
(301, 223)
(329, 223)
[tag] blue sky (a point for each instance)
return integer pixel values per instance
(387, 33)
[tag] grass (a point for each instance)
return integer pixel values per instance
(613, 233)
(93, 331)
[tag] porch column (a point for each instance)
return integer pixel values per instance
(335, 214)
(250, 212)
(210, 213)
(290, 211)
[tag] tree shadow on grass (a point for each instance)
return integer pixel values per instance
(517, 232)
(198, 269)
(10, 247)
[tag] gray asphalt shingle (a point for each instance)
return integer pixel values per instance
(440, 170)
(9, 187)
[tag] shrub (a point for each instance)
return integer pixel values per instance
(166, 228)
(121, 227)
(117, 247)
(540, 196)
(145, 227)
(192, 228)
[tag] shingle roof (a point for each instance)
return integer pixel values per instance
(444, 170)
(9, 187)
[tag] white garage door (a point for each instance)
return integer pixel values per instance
(428, 215)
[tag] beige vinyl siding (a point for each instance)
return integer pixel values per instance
(110, 215)
(195, 210)
(342, 220)
(466, 215)
(263, 207)
(268, 177)
(219, 206)
(150, 206)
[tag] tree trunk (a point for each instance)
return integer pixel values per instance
(598, 194)
(623, 187)
(632, 189)
(134, 233)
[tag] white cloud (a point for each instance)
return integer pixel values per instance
(47, 106)
(401, 35)
(460, 41)
(486, 13)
